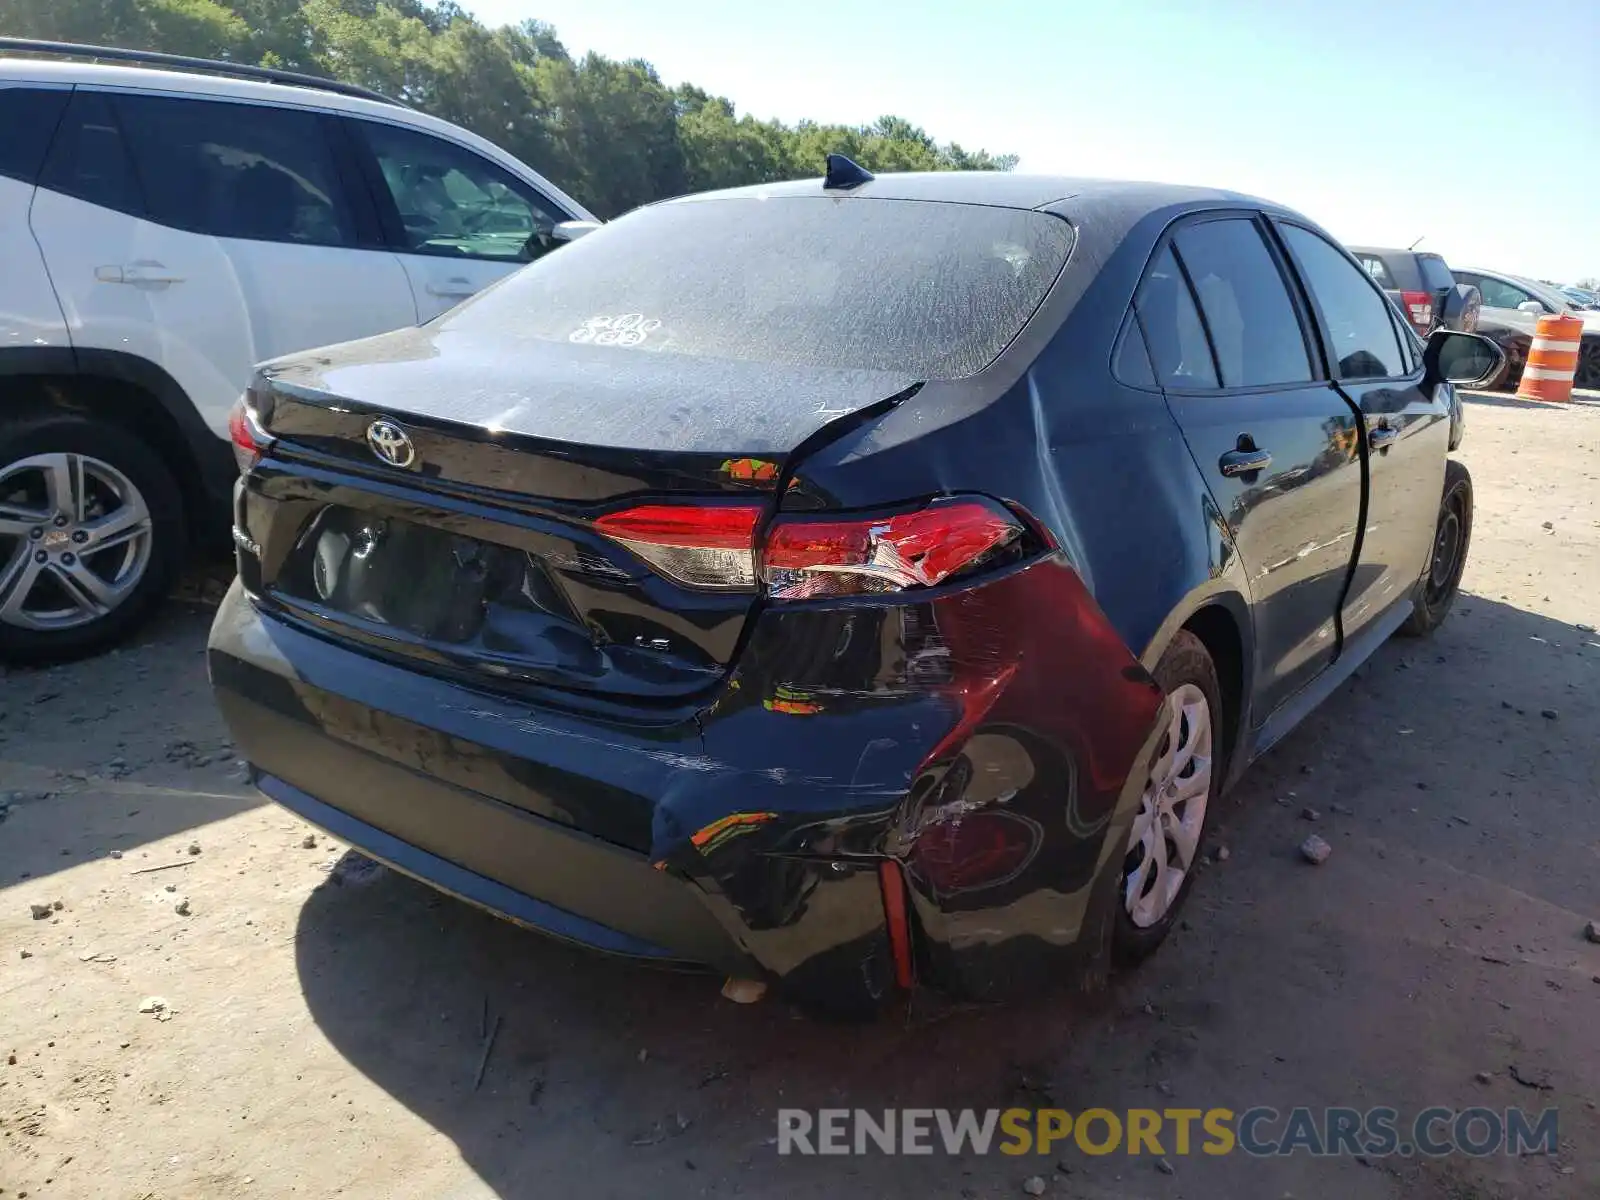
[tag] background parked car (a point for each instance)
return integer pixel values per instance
(160, 234)
(1512, 306)
(1422, 287)
(1581, 298)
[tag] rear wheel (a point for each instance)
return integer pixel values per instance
(1436, 590)
(1164, 845)
(91, 535)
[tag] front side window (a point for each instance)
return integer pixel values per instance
(1499, 294)
(1361, 332)
(457, 204)
(1246, 304)
(1173, 332)
(236, 170)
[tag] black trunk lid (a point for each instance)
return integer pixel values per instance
(469, 549)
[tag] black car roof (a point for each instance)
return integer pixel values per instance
(1003, 189)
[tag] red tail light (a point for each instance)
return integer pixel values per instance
(707, 547)
(807, 557)
(1419, 308)
(250, 440)
(803, 556)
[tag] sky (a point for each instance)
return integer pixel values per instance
(1469, 124)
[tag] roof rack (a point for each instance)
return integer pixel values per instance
(212, 65)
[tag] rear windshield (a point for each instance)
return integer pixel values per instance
(1435, 272)
(931, 290)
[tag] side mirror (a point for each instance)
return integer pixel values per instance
(1531, 306)
(1467, 359)
(571, 231)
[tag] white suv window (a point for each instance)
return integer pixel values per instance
(236, 170)
(456, 204)
(1497, 294)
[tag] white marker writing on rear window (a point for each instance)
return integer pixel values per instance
(626, 329)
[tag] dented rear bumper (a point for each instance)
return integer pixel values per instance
(995, 764)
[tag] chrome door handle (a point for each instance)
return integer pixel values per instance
(151, 272)
(1381, 437)
(453, 289)
(1243, 462)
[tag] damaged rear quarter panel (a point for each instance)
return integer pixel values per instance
(1011, 825)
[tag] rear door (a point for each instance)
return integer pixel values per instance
(260, 196)
(1406, 431)
(126, 284)
(1278, 444)
(30, 317)
(207, 235)
(457, 221)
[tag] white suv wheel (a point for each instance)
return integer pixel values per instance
(75, 536)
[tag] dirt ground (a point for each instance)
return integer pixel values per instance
(323, 1028)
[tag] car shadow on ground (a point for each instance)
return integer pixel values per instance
(114, 752)
(598, 1070)
(1511, 400)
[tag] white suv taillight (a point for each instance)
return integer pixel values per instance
(806, 556)
(249, 437)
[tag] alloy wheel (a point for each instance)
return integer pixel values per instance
(1166, 832)
(75, 540)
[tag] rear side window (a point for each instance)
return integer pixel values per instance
(1248, 312)
(1176, 338)
(1132, 364)
(455, 203)
(1379, 271)
(935, 291)
(1362, 340)
(1435, 273)
(236, 170)
(28, 119)
(89, 158)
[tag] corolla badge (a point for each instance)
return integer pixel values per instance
(391, 443)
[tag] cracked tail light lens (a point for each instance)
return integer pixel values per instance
(249, 437)
(702, 546)
(807, 557)
(714, 546)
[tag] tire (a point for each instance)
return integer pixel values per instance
(1441, 578)
(1588, 372)
(98, 582)
(1144, 916)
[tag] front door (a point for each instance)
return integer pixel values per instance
(456, 220)
(1406, 431)
(1278, 445)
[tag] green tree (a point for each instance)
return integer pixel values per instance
(609, 132)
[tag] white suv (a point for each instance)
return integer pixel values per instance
(162, 232)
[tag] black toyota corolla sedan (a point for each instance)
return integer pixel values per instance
(852, 583)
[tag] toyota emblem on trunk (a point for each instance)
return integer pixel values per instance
(390, 443)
